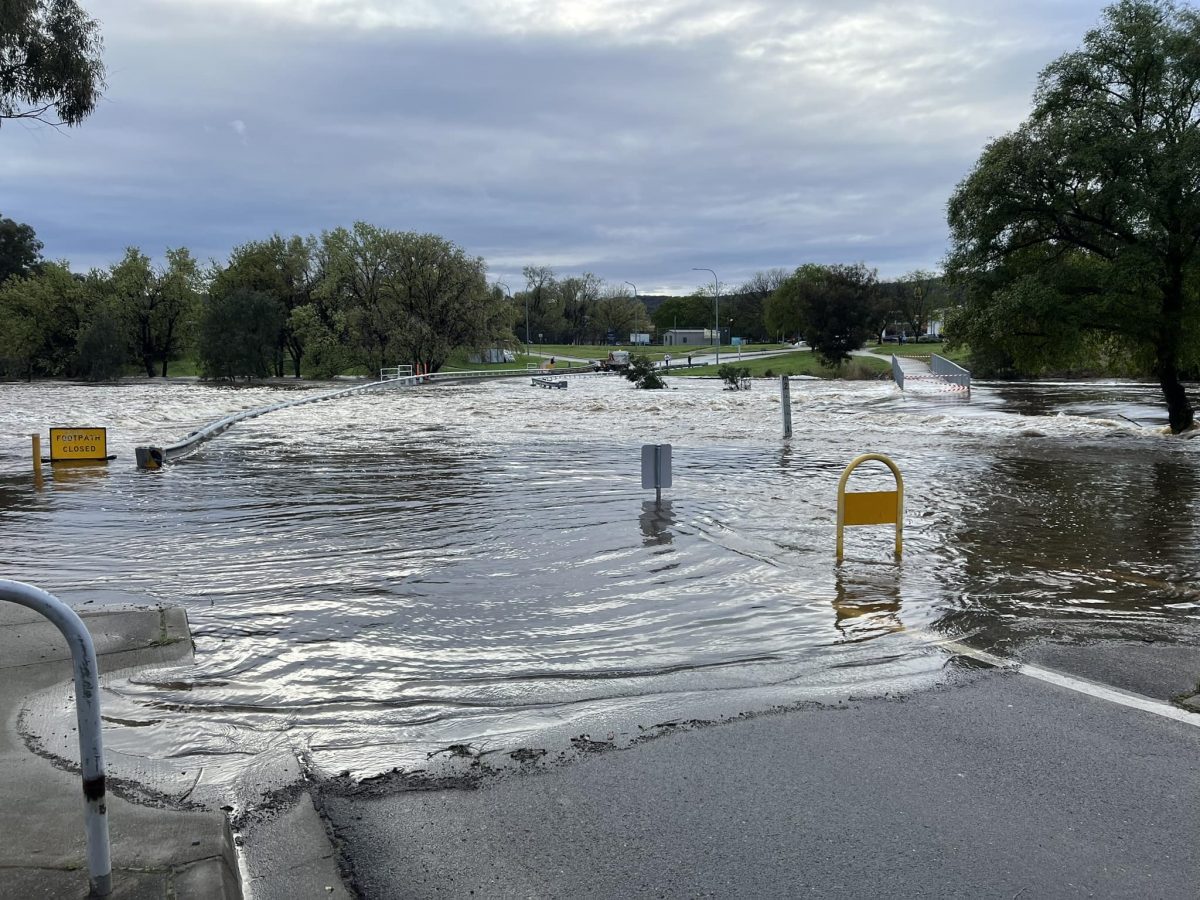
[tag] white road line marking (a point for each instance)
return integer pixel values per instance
(1080, 685)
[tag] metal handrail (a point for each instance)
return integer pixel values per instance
(156, 457)
(950, 371)
(393, 372)
(87, 715)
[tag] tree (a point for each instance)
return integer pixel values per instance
(694, 311)
(161, 304)
(50, 66)
(284, 269)
(1084, 223)
(411, 297)
(916, 299)
(20, 250)
(542, 299)
(746, 304)
(239, 332)
(619, 313)
(443, 300)
(836, 308)
(734, 376)
(39, 320)
(577, 298)
(104, 342)
(643, 374)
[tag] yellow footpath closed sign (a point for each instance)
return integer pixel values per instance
(78, 443)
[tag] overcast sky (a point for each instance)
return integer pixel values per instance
(629, 138)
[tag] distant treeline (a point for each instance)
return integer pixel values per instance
(364, 298)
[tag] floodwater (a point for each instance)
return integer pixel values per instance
(381, 576)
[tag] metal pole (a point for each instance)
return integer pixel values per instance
(37, 459)
(508, 291)
(87, 714)
(716, 308)
(785, 399)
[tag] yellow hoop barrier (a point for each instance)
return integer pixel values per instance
(871, 507)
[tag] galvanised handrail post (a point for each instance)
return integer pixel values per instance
(87, 713)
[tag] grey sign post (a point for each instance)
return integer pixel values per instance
(785, 400)
(656, 468)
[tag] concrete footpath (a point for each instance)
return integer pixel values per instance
(157, 853)
(994, 785)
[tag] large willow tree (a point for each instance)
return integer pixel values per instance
(1083, 225)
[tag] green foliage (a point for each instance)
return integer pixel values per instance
(239, 331)
(733, 375)
(20, 250)
(409, 297)
(684, 312)
(835, 308)
(102, 348)
(50, 66)
(620, 314)
(161, 304)
(285, 269)
(1081, 225)
(801, 362)
(39, 319)
(326, 355)
(642, 373)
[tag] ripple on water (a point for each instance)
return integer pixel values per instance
(374, 578)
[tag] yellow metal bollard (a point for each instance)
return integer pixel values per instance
(871, 507)
(37, 459)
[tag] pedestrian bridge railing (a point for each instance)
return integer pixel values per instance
(950, 371)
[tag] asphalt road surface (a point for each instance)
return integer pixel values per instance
(1002, 786)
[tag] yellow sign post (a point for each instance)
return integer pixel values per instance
(78, 443)
(871, 507)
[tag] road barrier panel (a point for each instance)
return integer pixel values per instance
(870, 507)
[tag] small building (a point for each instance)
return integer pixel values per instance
(690, 337)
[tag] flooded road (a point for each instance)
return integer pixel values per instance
(376, 578)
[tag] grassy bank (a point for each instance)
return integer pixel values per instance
(799, 362)
(961, 355)
(654, 351)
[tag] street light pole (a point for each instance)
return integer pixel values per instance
(508, 291)
(634, 286)
(716, 308)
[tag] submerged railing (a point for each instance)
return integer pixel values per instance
(156, 457)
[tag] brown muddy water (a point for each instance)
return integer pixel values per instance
(381, 576)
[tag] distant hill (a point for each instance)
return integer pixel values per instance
(654, 301)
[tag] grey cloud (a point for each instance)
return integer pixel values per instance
(799, 132)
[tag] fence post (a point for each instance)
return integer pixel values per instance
(87, 714)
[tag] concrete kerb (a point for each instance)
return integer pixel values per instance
(156, 852)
